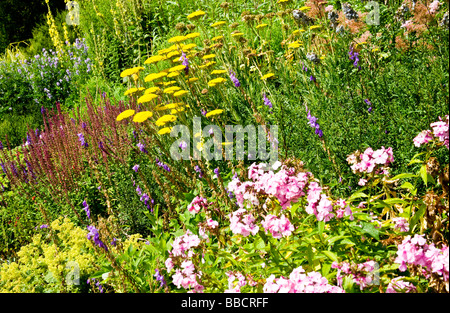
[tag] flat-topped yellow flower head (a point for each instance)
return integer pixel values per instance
(153, 76)
(165, 130)
(177, 39)
(216, 81)
(125, 114)
(131, 71)
(155, 59)
(147, 98)
(268, 75)
(165, 119)
(196, 15)
(142, 116)
(214, 112)
(217, 24)
(192, 35)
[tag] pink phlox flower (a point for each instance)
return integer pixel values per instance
(423, 137)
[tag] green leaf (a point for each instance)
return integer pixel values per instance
(357, 195)
(330, 255)
(188, 196)
(424, 174)
(417, 216)
(404, 175)
(320, 227)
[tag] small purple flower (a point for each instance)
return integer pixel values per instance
(369, 109)
(199, 171)
(1, 145)
(82, 140)
(184, 61)
(114, 242)
(183, 145)
(141, 147)
(267, 101)
(234, 79)
(86, 209)
(159, 277)
(312, 78)
(139, 191)
(94, 235)
(216, 172)
(43, 226)
(136, 168)
(42, 110)
(313, 123)
(203, 111)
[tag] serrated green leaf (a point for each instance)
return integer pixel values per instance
(330, 255)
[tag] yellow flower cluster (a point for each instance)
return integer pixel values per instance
(44, 266)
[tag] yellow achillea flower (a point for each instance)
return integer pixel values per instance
(173, 74)
(196, 15)
(177, 68)
(207, 64)
(165, 130)
(226, 143)
(152, 90)
(142, 116)
(305, 8)
(192, 35)
(294, 44)
(218, 72)
(216, 38)
(283, 1)
(133, 90)
(165, 119)
(155, 59)
(147, 98)
(261, 25)
(237, 34)
(192, 80)
(172, 54)
(375, 49)
(131, 71)
(218, 23)
(296, 32)
(180, 93)
(153, 76)
(268, 75)
(169, 83)
(172, 89)
(188, 46)
(208, 56)
(170, 106)
(177, 39)
(177, 110)
(214, 112)
(125, 114)
(216, 81)
(315, 27)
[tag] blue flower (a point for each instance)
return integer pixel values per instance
(234, 79)
(94, 235)
(86, 209)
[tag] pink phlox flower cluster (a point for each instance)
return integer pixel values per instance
(397, 285)
(370, 159)
(233, 285)
(208, 226)
(182, 250)
(440, 130)
(285, 185)
(415, 251)
(401, 224)
(362, 274)
(243, 224)
(187, 278)
(197, 204)
(184, 243)
(434, 6)
(300, 282)
(423, 137)
(322, 207)
(278, 227)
